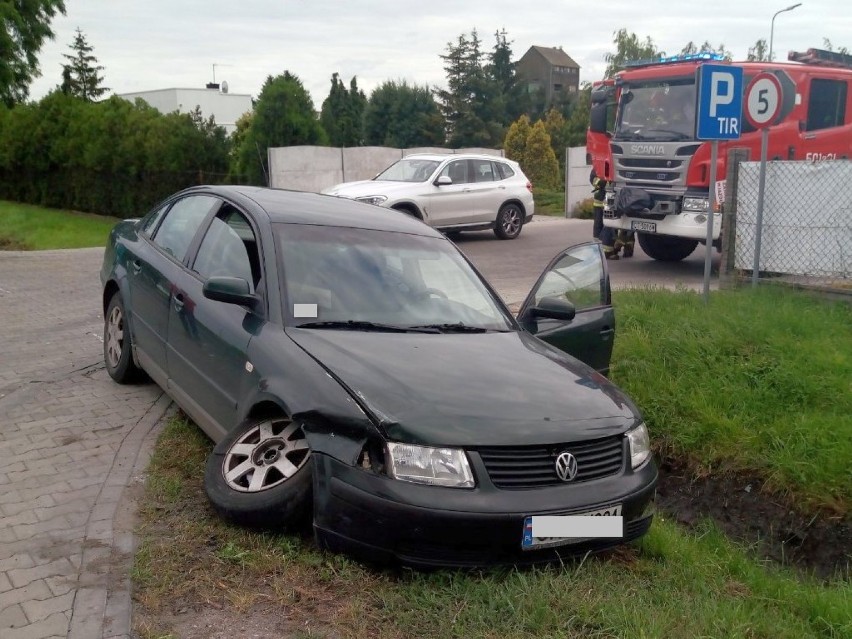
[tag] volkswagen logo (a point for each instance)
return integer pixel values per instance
(566, 466)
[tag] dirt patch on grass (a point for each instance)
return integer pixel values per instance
(11, 244)
(818, 543)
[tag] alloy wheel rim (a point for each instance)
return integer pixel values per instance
(265, 456)
(115, 336)
(511, 221)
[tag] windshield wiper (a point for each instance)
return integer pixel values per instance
(358, 325)
(457, 327)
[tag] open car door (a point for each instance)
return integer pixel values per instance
(570, 306)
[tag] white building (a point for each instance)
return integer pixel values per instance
(225, 107)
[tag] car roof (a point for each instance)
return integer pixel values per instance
(457, 156)
(299, 207)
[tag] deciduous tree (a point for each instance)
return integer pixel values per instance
(759, 52)
(628, 47)
(25, 27)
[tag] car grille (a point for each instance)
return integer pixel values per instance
(533, 466)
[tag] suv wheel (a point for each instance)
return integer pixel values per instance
(510, 219)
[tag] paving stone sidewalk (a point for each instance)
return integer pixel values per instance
(73, 445)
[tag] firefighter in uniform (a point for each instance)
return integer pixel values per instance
(612, 242)
(599, 194)
(625, 242)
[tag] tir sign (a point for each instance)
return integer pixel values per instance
(720, 102)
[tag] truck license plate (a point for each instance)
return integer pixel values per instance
(648, 227)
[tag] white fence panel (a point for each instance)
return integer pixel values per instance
(807, 218)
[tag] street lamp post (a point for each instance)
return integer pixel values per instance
(772, 29)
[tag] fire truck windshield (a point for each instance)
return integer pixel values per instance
(660, 111)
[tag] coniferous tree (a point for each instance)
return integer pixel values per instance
(283, 116)
(501, 70)
(342, 113)
(515, 144)
(468, 103)
(80, 77)
(541, 166)
(402, 116)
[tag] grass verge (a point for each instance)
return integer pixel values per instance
(192, 566)
(757, 381)
(27, 227)
(549, 202)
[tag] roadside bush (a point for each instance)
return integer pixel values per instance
(584, 210)
(112, 157)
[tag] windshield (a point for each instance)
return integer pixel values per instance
(659, 111)
(407, 170)
(394, 280)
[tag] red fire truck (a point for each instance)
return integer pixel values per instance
(642, 136)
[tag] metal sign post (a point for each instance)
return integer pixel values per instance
(720, 108)
(714, 158)
(763, 103)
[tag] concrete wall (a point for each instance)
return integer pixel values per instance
(314, 168)
(577, 187)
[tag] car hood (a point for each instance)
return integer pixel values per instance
(373, 187)
(488, 389)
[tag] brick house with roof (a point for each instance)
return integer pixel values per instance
(550, 71)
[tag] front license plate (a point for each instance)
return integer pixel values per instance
(566, 523)
(648, 227)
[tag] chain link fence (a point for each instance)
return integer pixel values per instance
(806, 230)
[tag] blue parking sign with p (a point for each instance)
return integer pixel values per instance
(720, 102)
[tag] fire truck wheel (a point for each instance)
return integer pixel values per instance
(666, 248)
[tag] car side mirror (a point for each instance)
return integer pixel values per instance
(443, 180)
(554, 308)
(230, 290)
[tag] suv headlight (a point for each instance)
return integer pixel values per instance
(426, 465)
(373, 199)
(699, 204)
(640, 445)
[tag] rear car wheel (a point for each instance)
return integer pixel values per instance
(260, 474)
(510, 219)
(666, 248)
(118, 355)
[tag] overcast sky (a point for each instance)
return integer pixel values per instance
(155, 44)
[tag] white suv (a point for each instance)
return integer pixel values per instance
(462, 192)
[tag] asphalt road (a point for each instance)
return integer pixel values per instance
(513, 266)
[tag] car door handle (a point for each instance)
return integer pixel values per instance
(607, 333)
(135, 266)
(179, 302)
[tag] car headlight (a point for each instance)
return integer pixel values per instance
(700, 204)
(640, 445)
(373, 199)
(426, 465)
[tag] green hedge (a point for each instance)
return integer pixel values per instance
(112, 157)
